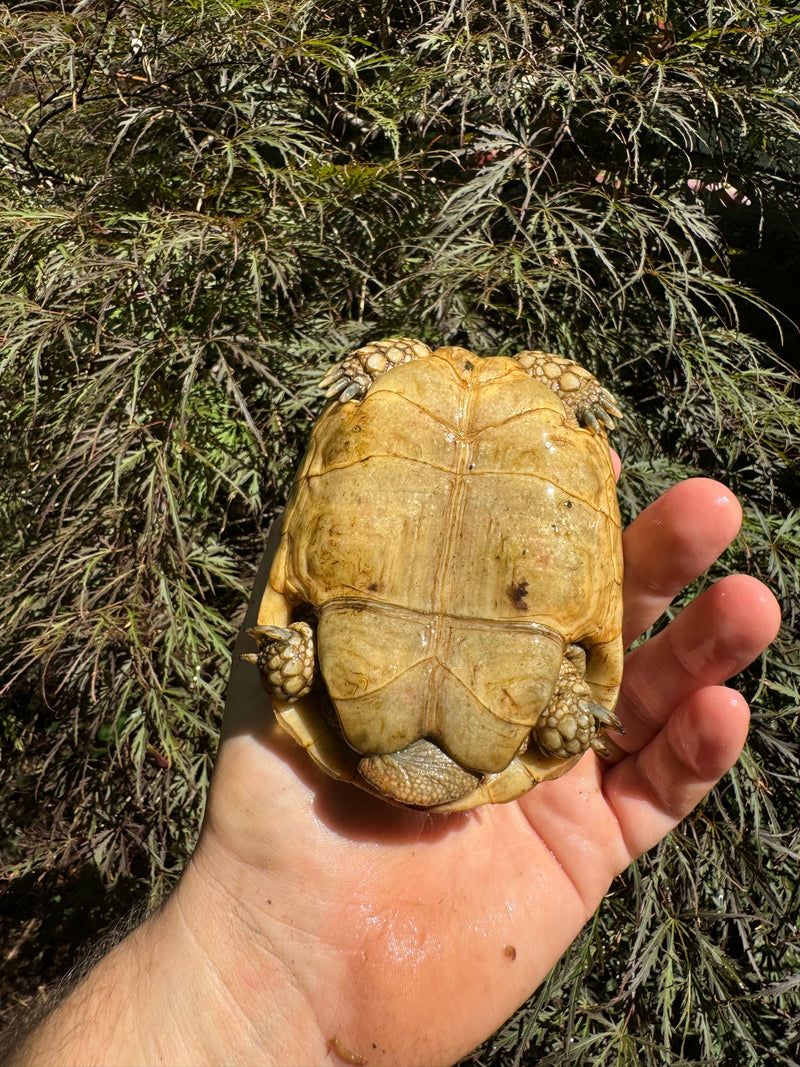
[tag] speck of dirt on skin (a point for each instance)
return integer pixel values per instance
(511, 952)
(343, 1052)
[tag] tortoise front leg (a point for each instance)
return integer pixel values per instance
(354, 375)
(572, 721)
(580, 392)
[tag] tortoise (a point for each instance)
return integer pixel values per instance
(442, 621)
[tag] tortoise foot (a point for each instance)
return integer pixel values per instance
(285, 659)
(353, 376)
(419, 774)
(572, 722)
(581, 393)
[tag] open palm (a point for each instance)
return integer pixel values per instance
(404, 937)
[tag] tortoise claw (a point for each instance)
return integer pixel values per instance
(331, 375)
(600, 412)
(271, 633)
(352, 392)
(607, 718)
(609, 406)
(600, 746)
(337, 380)
(605, 418)
(334, 384)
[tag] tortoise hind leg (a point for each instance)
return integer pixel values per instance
(285, 659)
(419, 774)
(354, 375)
(580, 393)
(572, 722)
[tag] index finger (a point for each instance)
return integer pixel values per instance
(670, 543)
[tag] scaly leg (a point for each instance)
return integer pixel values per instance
(285, 659)
(581, 394)
(419, 774)
(572, 721)
(354, 375)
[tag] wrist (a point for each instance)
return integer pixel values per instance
(93, 1018)
(198, 982)
(239, 966)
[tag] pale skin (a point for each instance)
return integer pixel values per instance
(316, 924)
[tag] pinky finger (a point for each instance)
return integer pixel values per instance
(653, 789)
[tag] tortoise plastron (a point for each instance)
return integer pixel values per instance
(454, 537)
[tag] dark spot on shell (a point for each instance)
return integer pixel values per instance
(373, 587)
(518, 593)
(568, 503)
(510, 951)
(468, 365)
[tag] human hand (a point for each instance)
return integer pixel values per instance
(407, 937)
(317, 924)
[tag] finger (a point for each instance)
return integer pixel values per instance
(652, 790)
(717, 635)
(597, 819)
(670, 543)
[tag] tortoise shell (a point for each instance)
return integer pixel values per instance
(454, 537)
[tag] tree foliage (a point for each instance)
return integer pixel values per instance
(202, 206)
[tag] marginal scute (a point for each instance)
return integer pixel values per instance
(453, 538)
